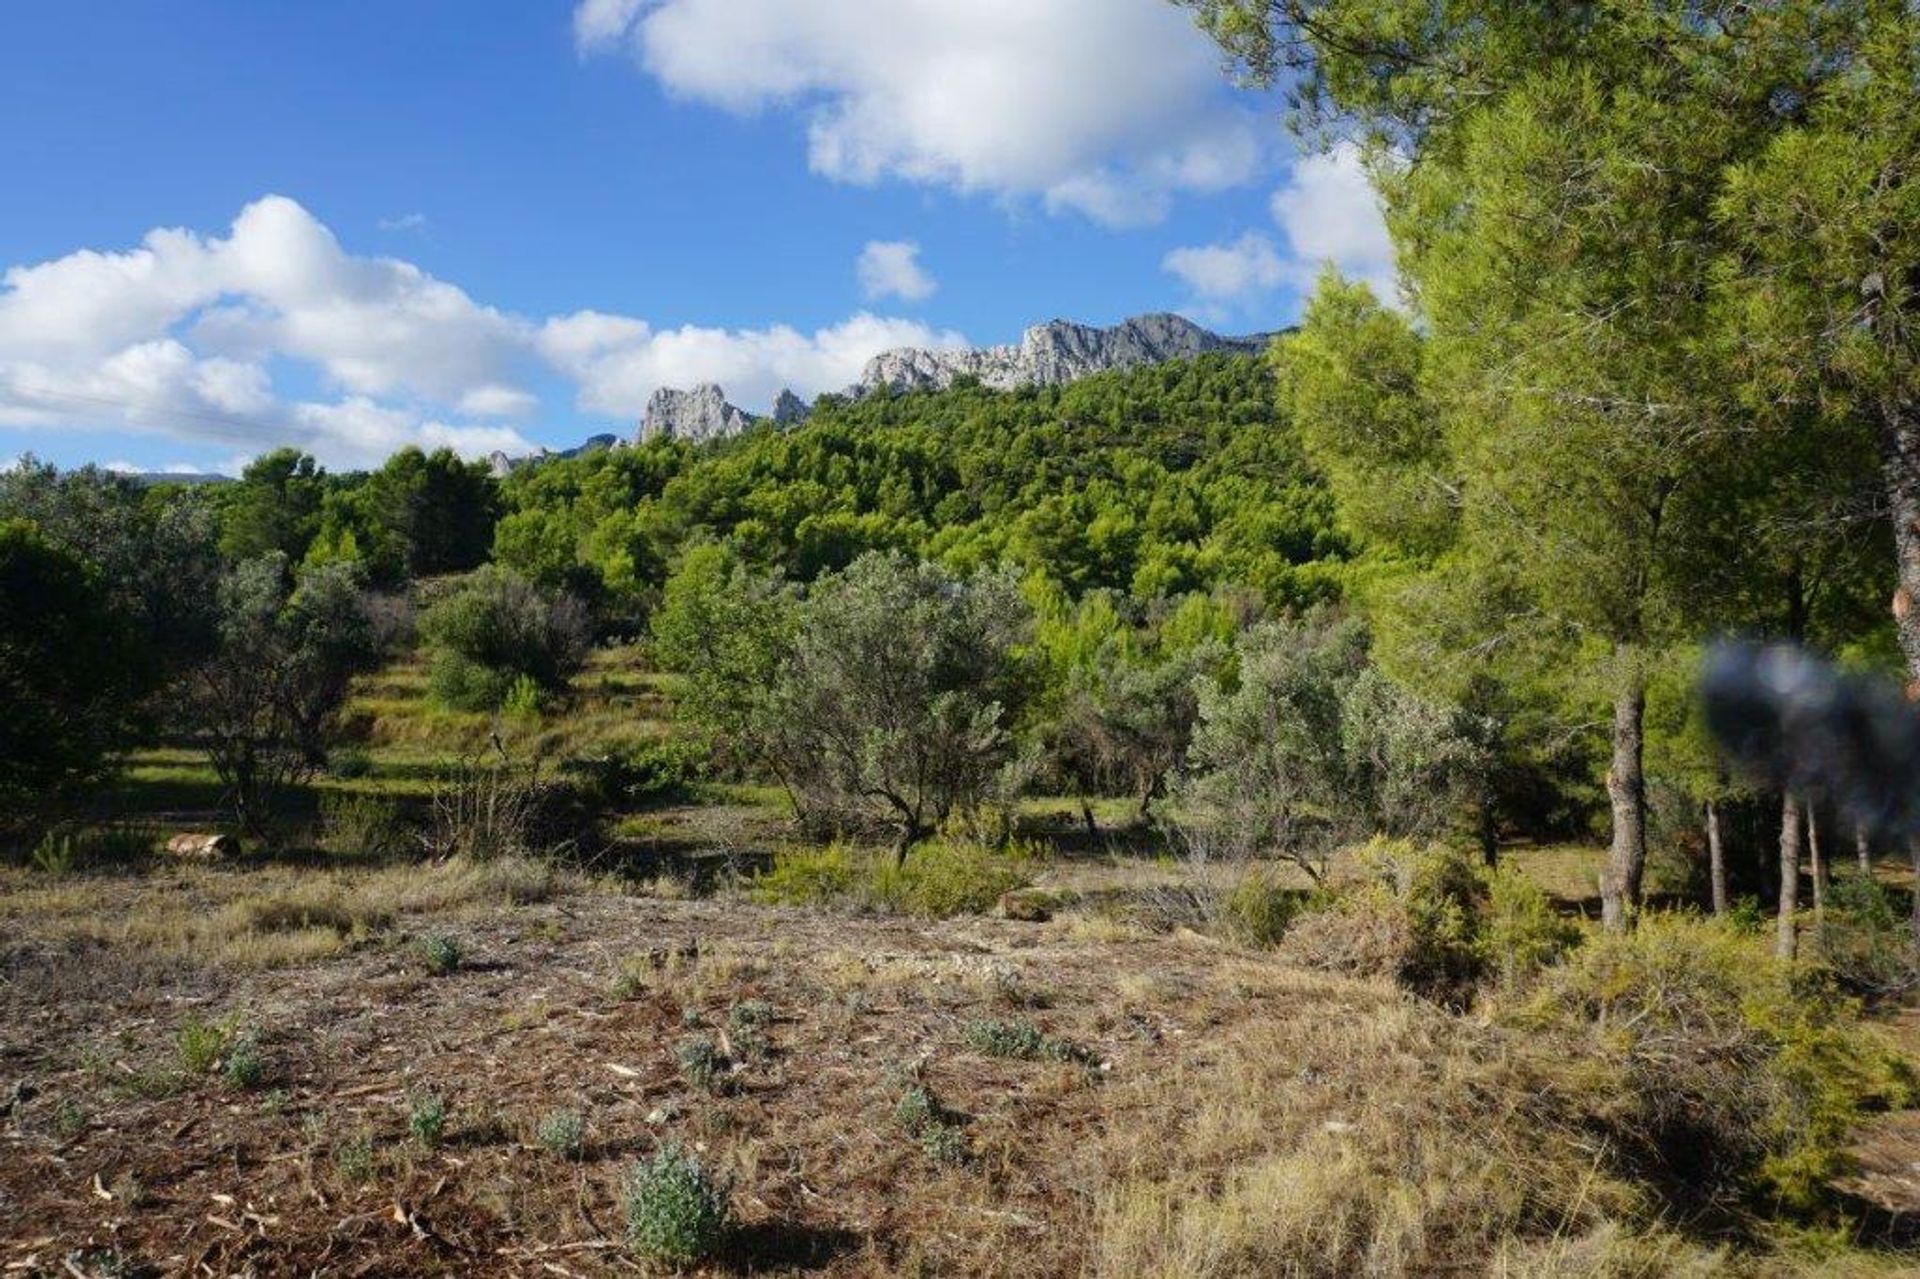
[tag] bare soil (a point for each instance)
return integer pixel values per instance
(111, 1156)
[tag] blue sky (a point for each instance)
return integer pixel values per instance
(352, 225)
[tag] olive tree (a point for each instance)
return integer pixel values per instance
(265, 704)
(896, 702)
(1313, 748)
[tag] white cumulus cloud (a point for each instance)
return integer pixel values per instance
(1330, 213)
(619, 362)
(1105, 107)
(891, 268)
(185, 334)
(1326, 211)
(1229, 272)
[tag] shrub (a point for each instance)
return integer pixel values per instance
(497, 628)
(813, 875)
(747, 1023)
(427, 1120)
(1523, 932)
(198, 1044)
(354, 1158)
(361, 825)
(1866, 941)
(635, 773)
(441, 954)
(702, 1064)
(54, 855)
(676, 1213)
(936, 1128)
(561, 1133)
(246, 1064)
(1714, 1069)
(941, 879)
(1361, 933)
(951, 878)
(1019, 1039)
(1257, 909)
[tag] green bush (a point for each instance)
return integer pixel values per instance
(643, 772)
(702, 1064)
(1257, 910)
(933, 1125)
(1866, 940)
(1712, 1069)
(676, 1213)
(427, 1120)
(561, 1133)
(495, 629)
(246, 1064)
(198, 1044)
(361, 825)
(441, 953)
(942, 878)
(1438, 922)
(1021, 1040)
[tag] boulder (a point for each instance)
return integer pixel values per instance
(203, 847)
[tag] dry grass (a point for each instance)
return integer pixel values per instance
(256, 918)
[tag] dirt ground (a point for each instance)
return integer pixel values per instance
(115, 1161)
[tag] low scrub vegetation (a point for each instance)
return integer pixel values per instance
(940, 879)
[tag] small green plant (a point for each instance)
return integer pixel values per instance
(936, 1128)
(561, 1133)
(523, 700)
(676, 1213)
(427, 1120)
(1019, 1039)
(198, 1045)
(54, 855)
(353, 1159)
(245, 1065)
(70, 1119)
(702, 1064)
(747, 1023)
(1747, 917)
(442, 954)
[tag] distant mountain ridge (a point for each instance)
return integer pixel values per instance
(1055, 353)
(1050, 354)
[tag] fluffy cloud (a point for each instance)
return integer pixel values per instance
(184, 335)
(891, 268)
(1327, 212)
(1105, 107)
(1229, 272)
(1330, 214)
(618, 362)
(176, 336)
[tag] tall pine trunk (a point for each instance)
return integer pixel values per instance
(1716, 859)
(1863, 850)
(1790, 822)
(1627, 793)
(1816, 863)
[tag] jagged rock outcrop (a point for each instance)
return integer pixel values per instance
(1054, 353)
(700, 414)
(502, 464)
(788, 408)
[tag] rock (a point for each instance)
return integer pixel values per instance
(199, 846)
(700, 414)
(789, 409)
(1054, 353)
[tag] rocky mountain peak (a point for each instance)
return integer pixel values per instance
(1053, 353)
(700, 414)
